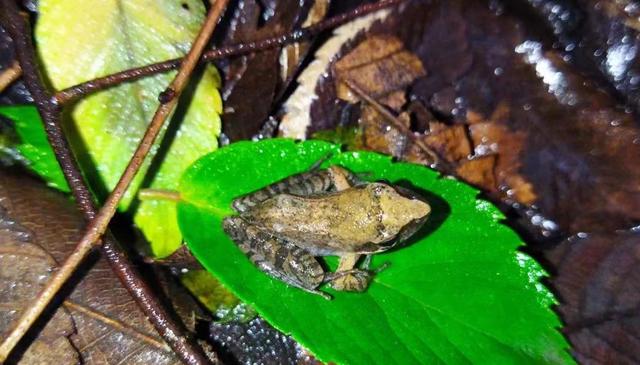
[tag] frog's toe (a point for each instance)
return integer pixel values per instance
(381, 267)
(357, 281)
(326, 296)
(367, 263)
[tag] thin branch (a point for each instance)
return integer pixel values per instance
(116, 324)
(171, 331)
(435, 159)
(9, 75)
(74, 92)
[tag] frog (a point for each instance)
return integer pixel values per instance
(285, 227)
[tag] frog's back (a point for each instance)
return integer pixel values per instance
(348, 221)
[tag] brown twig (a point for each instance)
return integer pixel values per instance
(80, 90)
(166, 326)
(435, 159)
(9, 75)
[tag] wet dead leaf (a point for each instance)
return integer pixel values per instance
(450, 142)
(380, 66)
(24, 269)
(256, 77)
(296, 122)
(598, 283)
(379, 136)
(479, 171)
(294, 54)
(494, 137)
(109, 327)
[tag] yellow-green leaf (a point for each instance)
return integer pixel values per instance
(80, 40)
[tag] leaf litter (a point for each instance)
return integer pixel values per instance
(99, 323)
(518, 120)
(439, 93)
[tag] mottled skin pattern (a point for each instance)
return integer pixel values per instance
(282, 227)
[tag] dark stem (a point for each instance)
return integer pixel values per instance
(168, 328)
(80, 90)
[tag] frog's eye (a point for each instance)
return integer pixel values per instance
(379, 189)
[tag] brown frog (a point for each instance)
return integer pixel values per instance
(284, 226)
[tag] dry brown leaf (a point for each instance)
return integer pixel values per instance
(479, 171)
(450, 142)
(379, 136)
(24, 269)
(109, 326)
(298, 108)
(379, 65)
(492, 137)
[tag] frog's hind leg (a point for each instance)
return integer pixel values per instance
(277, 257)
(305, 184)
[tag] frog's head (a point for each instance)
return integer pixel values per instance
(403, 211)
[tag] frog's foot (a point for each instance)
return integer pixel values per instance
(352, 280)
(356, 280)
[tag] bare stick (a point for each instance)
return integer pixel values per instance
(9, 75)
(97, 227)
(435, 159)
(80, 90)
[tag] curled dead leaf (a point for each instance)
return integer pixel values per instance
(256, 76)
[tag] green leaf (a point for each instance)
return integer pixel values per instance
(80, 40)
(461, 292)
(34, 146)
(208, 290)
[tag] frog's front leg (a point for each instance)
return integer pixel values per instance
(349, 278)
(276, 257)
(313, 182)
